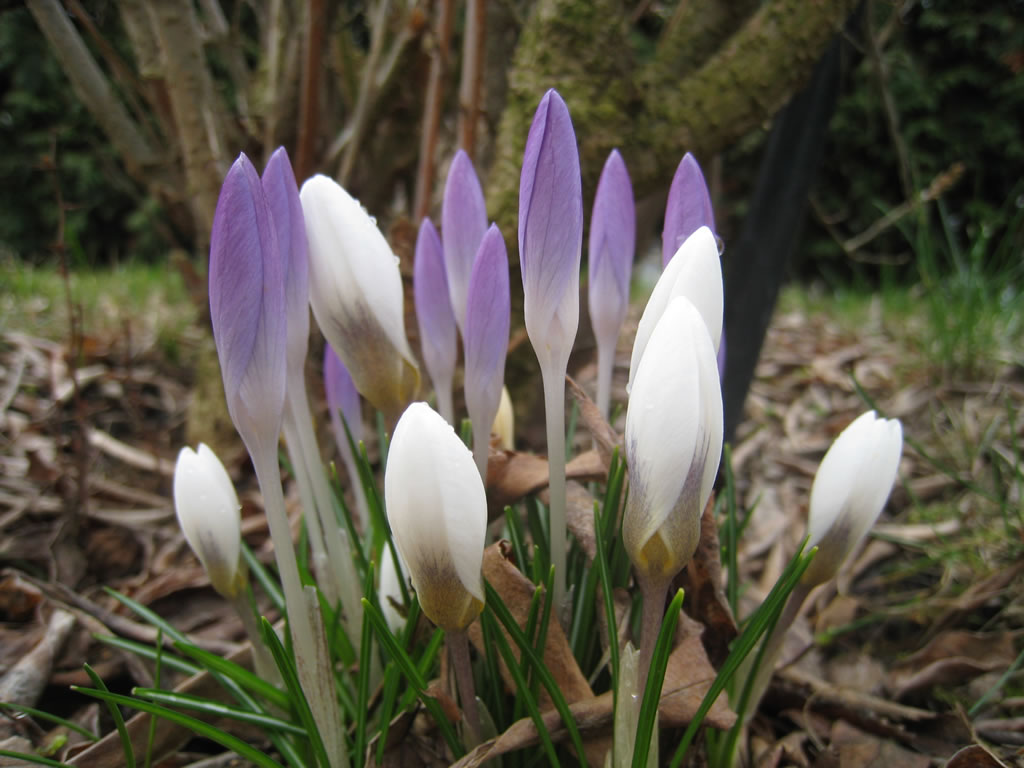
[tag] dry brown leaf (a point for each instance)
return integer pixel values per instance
(858, 749)
(688, 678)
(975, 756)
(951, 658)
(605, 437)
(513, 475)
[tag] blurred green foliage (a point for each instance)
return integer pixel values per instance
(48, 137)
(954, 71)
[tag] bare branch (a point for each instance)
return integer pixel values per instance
(432, 111)
(472, 70)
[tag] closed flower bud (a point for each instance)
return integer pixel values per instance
(355, 290)
(434, 315)
(673, 443)
(437, 510)
(696, 273)
(850, 490)
(688, 207)
(505, 422)
(463, 224)
(208, 513)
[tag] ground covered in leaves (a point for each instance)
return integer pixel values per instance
(912, 656)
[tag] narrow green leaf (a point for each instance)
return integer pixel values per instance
(263, 578)
(149, 653)
(40, 715)
(36, 759)
(198, 727)
(239, 674)
(115, 713)
(655, 679)
(601, 564)
(516, 536)
(187, 701)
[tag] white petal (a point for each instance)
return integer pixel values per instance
(694, 272)
(836, 476)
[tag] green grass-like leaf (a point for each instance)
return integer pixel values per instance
(217, 709)
(41, 715)
(655, 678)
(35, 759)
(115, 713)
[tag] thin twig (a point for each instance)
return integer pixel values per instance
(432, 111)
(472, 70)
(308, 99)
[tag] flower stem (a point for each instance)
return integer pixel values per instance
(263, 663)
(554, 412)
(653, 613)
(458, 652)
(605, 365)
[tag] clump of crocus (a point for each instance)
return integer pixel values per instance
(355, 290)
(849, 492)
(486, 340)
(612, 243)
(696, 273)
(550, 243)
(673, 445)
(248, 314)
(463, 224)
(434, 315)
(437, 510)
(688, 208)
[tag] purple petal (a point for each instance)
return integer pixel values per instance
(487, 327)
(550, 218)
(463, 223)
(247, 306)
(688, 208)
(433, 307)
(283, 198)
(342, 399)
(611, 247)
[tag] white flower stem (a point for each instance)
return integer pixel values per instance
(346, 583)
(652, 616)
(309, 648)
(605, 366)
(263, 663)
(554, 412)
(458, 653)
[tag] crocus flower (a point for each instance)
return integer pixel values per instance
(850, 490)
(696, 273)
(463, 224)
(434, 315)
(208, 513)
(551, 232)
(673, 443)
(550, 241)
(437, 510)
(247, 307)
(283, 200)
(355, 290)
(612, 242)
(688, 208)
(486, 339)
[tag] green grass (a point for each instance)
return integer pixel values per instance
(144, 303)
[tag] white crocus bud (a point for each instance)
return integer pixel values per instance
(355, 290)
(850, 490)
(208, 513)
(505, 422)
(673, 443)
(694, 272)
(437, 510)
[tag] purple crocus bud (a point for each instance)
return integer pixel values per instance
(434, 315)
(463, 223)
(247, 307)
(688, 208)
(486, 340)
(551, 232)
(283, 198)
(342, 400)
(612, 243)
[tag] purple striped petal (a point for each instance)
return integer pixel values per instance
(487, 327)
(611, 248)
(433, 307)
(283, 198)
(463, 223)
(551, 231)
(342, 399)
(688, 208)
(247, 306)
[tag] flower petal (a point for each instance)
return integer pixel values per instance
(433, 307)
(463, 224)
(487, 328)
(611, 248)
(688, 208)
(342, 400)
